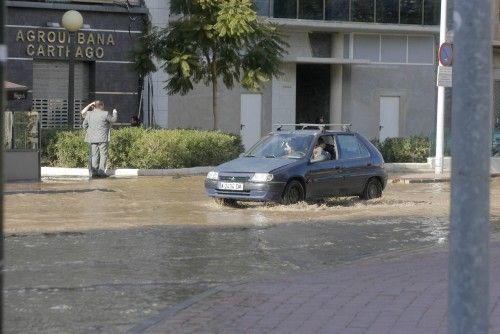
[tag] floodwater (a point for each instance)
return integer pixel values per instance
(102, 256)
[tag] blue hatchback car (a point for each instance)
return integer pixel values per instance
(306, 162)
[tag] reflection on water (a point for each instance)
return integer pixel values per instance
(80, 260)
(108, 281)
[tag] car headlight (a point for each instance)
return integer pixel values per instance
(261, 177)
(212, 175)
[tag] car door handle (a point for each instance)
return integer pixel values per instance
(337, 167)
(368, 164)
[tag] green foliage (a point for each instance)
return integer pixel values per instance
(216, 39)
(69, 149)
(123, 142)
(47, 146)
(146, 148)
(405, 149)
(235, 18)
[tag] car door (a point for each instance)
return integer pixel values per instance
(324, 178)
(356, 163)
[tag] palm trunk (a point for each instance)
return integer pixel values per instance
(214, 103)
(214, 95)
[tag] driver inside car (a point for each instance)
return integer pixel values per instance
(319, 152)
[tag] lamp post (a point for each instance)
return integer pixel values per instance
(72, 21)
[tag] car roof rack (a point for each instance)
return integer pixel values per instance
(314, 126)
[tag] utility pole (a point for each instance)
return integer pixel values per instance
(468, 287)
(441, 98)
(3, 59)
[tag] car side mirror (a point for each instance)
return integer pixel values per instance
(242, 155)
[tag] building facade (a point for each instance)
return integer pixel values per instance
(38, 54)
(371, 63)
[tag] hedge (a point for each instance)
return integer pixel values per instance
(405, 149)
(143, 148)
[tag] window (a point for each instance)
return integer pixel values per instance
(393, 49)
(337, 10)
(432, 12)
(362, 10)
(351, 148)
(400, 49)
(421, 49)
(387, 11)
(419, 12)
(366, 47)
(262, 7)
(411, 11)
(311, 9)
(285, 9)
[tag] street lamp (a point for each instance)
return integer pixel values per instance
(72, 21)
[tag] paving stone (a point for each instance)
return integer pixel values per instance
(354, 298)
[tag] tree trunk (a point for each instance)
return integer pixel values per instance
(214, 96)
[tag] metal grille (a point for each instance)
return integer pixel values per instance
(50, 92)
(234, 178)
(54, 112)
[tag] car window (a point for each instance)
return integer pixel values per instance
(330, 146)
(351, 148)
(287, 145)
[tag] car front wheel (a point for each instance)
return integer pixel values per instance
(294, 193)
(373, 189)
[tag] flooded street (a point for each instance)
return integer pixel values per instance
(102, 256)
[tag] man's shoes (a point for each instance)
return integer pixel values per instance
(99, 176)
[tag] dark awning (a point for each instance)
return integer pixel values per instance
(15, 91)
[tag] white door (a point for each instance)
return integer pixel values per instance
(251, 110)
(389, 117)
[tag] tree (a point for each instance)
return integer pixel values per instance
(213, 40)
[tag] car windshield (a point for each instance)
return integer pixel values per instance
(286, 145)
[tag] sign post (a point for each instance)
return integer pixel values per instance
(440, 96)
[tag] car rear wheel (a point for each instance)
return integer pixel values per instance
(294, 193)
(373, 189)
(225, 201)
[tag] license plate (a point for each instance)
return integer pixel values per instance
(231, 186)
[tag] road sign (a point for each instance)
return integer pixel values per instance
(444, 76)
(445, 54)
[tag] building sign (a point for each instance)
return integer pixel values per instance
(44, 43)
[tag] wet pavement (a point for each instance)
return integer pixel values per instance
(395, 293)
(102, 256)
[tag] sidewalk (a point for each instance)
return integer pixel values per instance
(398, 292)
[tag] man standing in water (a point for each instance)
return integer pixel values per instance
(97, 124)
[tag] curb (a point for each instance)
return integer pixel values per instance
(401, 173)
(62, 172)
(83, 173)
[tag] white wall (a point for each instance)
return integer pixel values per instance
(284, 95)
(159, 11)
